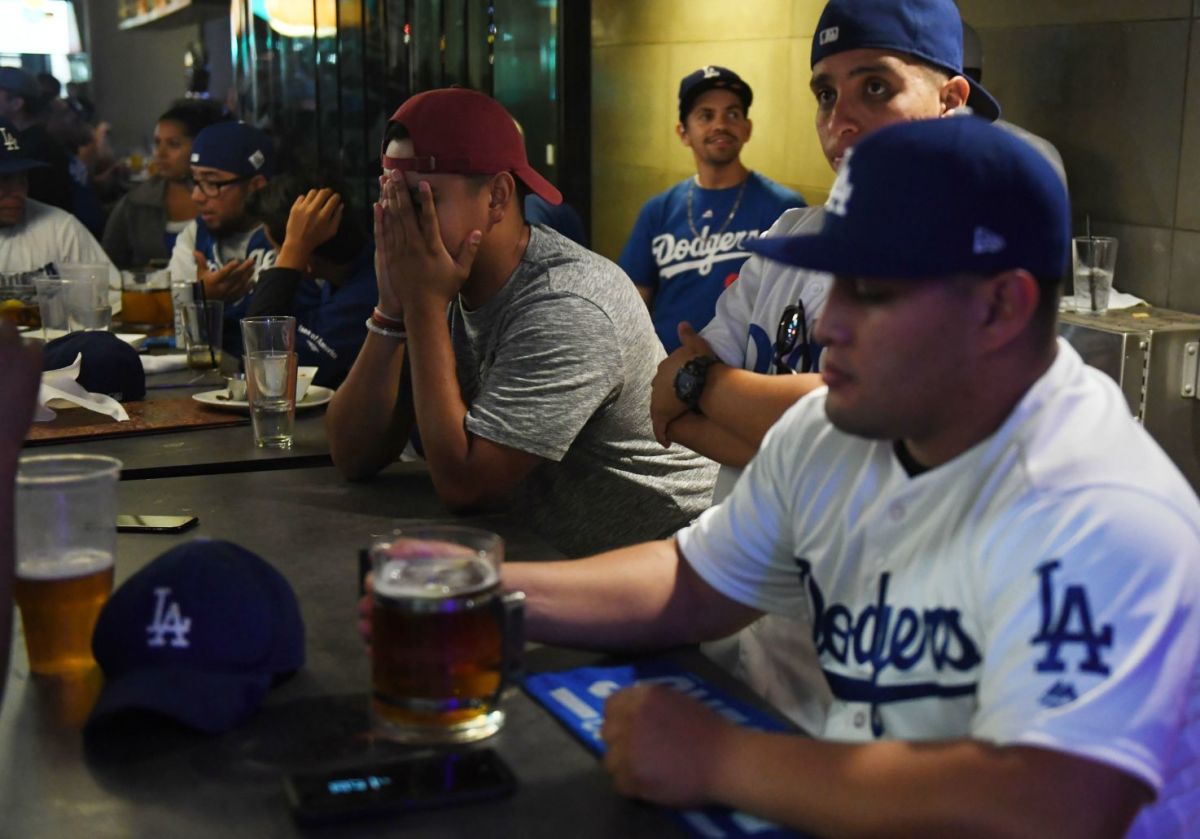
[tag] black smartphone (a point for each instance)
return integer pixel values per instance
(154, 524)
(421, 782)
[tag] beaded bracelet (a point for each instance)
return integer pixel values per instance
(385, 331)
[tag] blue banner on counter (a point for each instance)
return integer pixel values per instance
(576, 697)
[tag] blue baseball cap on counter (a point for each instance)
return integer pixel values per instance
(109, 365)
(234, 147)
(937, 198)
(928, 29)
(199, 635)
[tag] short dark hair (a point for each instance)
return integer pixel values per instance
(272, 204)
(195, 115)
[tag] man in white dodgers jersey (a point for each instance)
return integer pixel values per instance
(874, 63)
(1001, 568)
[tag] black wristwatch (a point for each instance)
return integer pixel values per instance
(689, 381)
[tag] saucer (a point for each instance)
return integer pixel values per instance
(315, 397)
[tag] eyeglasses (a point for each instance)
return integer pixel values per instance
(213, 188)
(793, 331)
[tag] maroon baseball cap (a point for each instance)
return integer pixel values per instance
(456, 131)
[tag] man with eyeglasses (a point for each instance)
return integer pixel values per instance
(874, 63)
(687, 244)
(999, 567)
(225, 247)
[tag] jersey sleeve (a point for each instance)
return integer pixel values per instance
(558, 363)
(743, 546)
(183, 263)
(1092, 630)
(637, 257)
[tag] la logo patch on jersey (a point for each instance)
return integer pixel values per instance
(168, 620)
(1067, 624)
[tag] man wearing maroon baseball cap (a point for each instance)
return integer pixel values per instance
(523, 359)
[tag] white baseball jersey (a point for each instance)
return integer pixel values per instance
(52, 235)
(742, 333)
(1042, 588)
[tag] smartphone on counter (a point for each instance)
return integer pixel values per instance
(154, 524)
(421, 782)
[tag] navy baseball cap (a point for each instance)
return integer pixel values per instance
(711, 78)
(12, 158)
(928, 29)
(199, 635)
(109, 365)
(234, 147)
(15, 80)
(937, 198)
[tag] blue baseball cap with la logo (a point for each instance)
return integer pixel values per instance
(937, 198)
(12, 158)
(709, 78)
(199, 635)
(930, 30)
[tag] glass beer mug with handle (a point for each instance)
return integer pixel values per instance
(446, 642)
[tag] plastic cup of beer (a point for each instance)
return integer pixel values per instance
(1094, 259)
(270, 362)
(446, 642)
(18, 300)
(203, 324)
(146, 299)
(66, 509)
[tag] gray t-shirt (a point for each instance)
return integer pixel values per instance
(559, 364)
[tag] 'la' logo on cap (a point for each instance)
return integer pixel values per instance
(10, 140)
(168, 620)
(827, 36)
(711, 72)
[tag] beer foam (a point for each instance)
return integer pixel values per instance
(435, 576)
(78, 563)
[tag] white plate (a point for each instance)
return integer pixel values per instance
(315, 397)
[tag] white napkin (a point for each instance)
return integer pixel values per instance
(1121, 300)
(61, 390)
(163, 363)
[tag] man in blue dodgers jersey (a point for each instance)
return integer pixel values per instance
(874, 63)
(1001, 568)
(225, 247)
(686, 245)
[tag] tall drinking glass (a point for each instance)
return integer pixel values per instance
(270, 361)
(66, 509)
(89, 306)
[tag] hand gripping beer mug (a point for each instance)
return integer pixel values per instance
(446, 642)
(66, 538)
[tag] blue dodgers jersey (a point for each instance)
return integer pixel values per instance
(688, 269)
(258, 248)
(576, 697)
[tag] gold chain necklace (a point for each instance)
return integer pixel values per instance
(737, 202)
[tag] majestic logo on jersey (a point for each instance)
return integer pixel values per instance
(168, 620)
(839, 194)
(1067, 624)
(676, 255)
(10, 140)
(1058, 694)
(827, 36)
(886, 637)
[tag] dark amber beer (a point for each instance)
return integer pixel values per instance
(60, 601)
(438, 639)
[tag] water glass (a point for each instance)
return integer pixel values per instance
(270, 362)
(202, 326)
(89, 306)
(1094, 259)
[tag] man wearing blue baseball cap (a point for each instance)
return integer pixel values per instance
(874, 63)
(687, 243)
(1000, 567)
(36, 238)
(226, 247)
